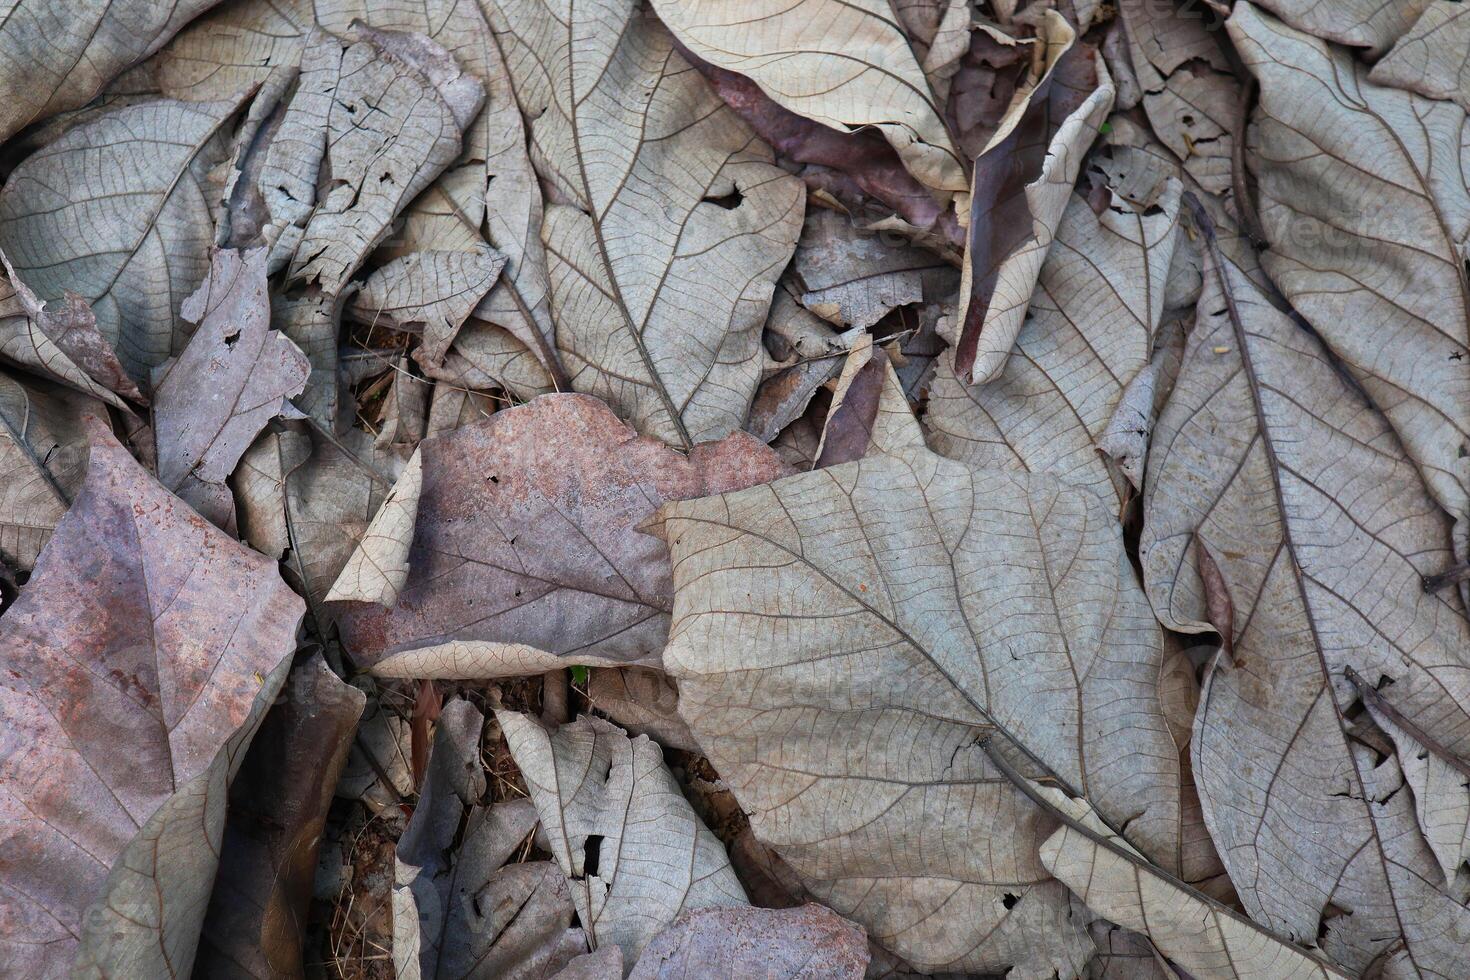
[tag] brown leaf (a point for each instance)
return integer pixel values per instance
(642, 701)
(805, 943)
(43, 459)
(142, 644)
(524, 559)
(233, 377)
(257, 915)
(425, 712)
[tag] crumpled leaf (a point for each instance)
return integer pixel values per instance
(1368, 241)
(659, 305)
(524, 560)
(1189, 91)
(869, 411)
(234, 376)
(634, 853)
(432, 293)
(24, 343)
(805, 943)
(257, 916)
(399, 105)
(457, 913)
(138, 660)
(57, 57)
(1370, 24)
(136, 179)
(1086, 340)
(43, 460)
(1022, 184)
(1321, 530)
(844, 65)
(1433, 57)
(895, 608)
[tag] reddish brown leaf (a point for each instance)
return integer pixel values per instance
(811, 941)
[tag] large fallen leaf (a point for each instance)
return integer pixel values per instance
(634, 852)
(57, 57)
(521, 559)
(1085, 342)
(257, 916)
(675, 224)
(137, 661)
(846, 65)
(1023, 182)
(234, 376)
(1433, 58)
(399, 105)
(43, 459)
(1364, 200)
(840, 639)
(807, 943)
(136, 179)
(457, 913)
(1313, 525)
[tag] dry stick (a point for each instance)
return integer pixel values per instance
(1375, 700)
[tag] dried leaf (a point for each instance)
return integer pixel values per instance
(54, 58)
(128, 713)
(634, 853)
(257, 916)
(311, 319)
(854, 277)
(1088, 336)
(233, 48)
(1320, 530)
(43, 459)
(379, 567)
(642, 702)
(894, 608)
(234, 376)
(659, 305)
(432, 293)
(809, 943)
(486, 357)
(136, 178)
(1370, 24)
(1368, 240)
(1433, 57)
(844, 65)
(524, 560)
(24, 343)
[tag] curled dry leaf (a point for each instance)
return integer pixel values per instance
(1023, 182)
(26, 344)
(379, 567)
(43, 459)
(524, 560)
(136, 179)
(869, 411)
(257, 916)
(806, 943)
(1368, 238)
(634, 852)
(234, 376)
(846, 65)
(1433, 58)
(127, 716)
(674, 226)
(1084, 346)
(54, 58)
(894, 608)
(1321, 530)
(431, 293)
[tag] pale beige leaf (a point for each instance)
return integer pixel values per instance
(55, 57)
(233, 48)
(869, 411)
(1084, 344)
(1433, 58)
(311, 319)
(1206, 939)
(1046, 196)
(126, 714)
(43, 458)
(893, 609)
(116, 210)
(1365, 201)
(846, 65)
(233, 377)
(432, 293)
(378, 568)
(1371, 24)
(399, 106)
(853, 277)
(485, 356)
(634, 853)
(1321, 530)
(674, 226)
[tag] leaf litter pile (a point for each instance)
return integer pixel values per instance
(735, 488)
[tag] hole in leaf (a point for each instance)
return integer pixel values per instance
(591, 854)
(729, 201)
(231, 338)
(1009, 900)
